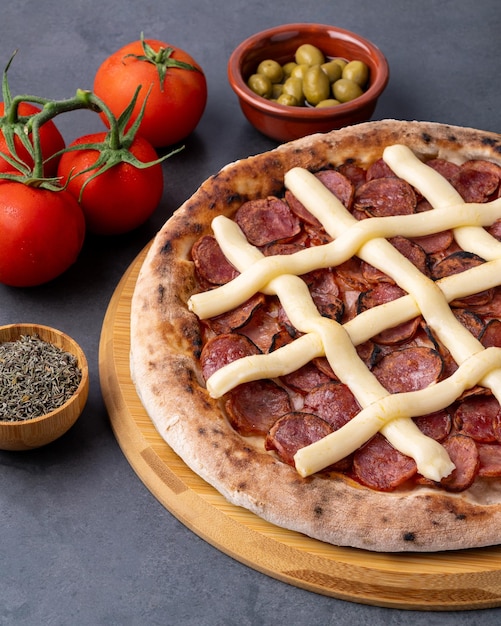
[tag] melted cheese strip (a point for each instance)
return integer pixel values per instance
(368, 422)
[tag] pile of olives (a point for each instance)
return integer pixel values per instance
(310, 80)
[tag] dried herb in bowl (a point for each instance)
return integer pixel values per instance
(36, 377)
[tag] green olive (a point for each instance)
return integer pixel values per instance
(345, 90)
(294, 87)
(300, 70)
(333, 70)
(357, 71)
(287, 69)
(329, 102)
(316, 85)
(271, 69)
(260, 84)
(340, 61)
(309, 55)
(276, 90)
(287, 99)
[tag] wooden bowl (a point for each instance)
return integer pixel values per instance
(285, 123)
(39, 431)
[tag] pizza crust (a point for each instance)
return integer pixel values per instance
(166, 343)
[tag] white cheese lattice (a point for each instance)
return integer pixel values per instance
(367, 239)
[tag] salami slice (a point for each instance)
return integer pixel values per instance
(476, 183)
(333, 402)
(210, 262)
(304, 379)
(294, 431)
(490, 459)
(409, 369)
(479, 417)
(300, 210)
(380, 169)
(325, 293)
(491, 334)
(337, 184)
(236, 318)
(354, 173)
(463, 453)
(382, 197)
(223, 349)
(435, 425)
(267, 220)
(447, 169)
(379, 465)
(254, 407)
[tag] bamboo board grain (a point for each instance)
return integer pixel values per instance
(469, 579)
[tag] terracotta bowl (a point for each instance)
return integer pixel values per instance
(285, 123)
(39, 431)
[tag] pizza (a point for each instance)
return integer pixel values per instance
(316, 332)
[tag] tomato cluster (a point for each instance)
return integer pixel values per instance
(149, 95)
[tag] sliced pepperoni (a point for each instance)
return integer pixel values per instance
(334, 402)
(325, 293)
(470, 320)
(300, 210)
(409, 369)
(262, 328)
(437, 242)
(479, 417)
(266, 220)
(223, 349)
(236, 318)
(490, 459)
(304, 379)
(356, 174)
(455, 263)
(380, 466)
(491, 308)
(463, 453)
(435, 425)
(338, 184)
(210, 262)
(373, 275)
(491, 334)
(380, 169)
(413, 252)
(254, 407)
(279, 339)
(449, 170)
(382, 197)
(349, 276)
(294, 431)
(476, 183)
(495, 230)
(289, 247)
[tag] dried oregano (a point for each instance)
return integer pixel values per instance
(36, 377)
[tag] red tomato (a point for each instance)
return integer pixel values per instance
(51, 141)
(120, 199)
(173, 109)
(41, 233)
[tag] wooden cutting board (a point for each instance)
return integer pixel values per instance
(468, 579)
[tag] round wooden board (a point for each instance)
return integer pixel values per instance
(469, 579)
